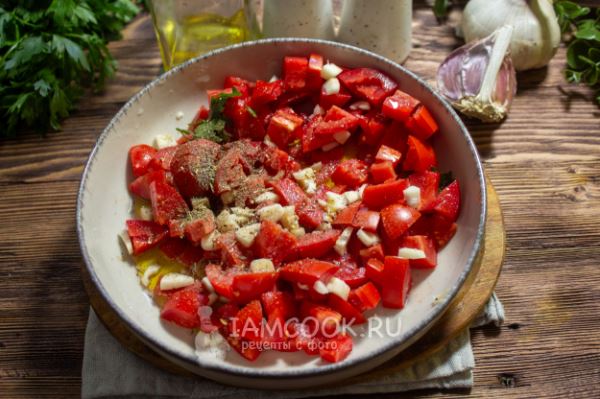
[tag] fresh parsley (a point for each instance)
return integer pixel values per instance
(581, 28)
(213, 128)
(50, 51)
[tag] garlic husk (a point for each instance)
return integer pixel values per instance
(536, 33)
(479, 78)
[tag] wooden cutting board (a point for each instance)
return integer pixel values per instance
(468, 304)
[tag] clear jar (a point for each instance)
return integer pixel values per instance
(381, 26)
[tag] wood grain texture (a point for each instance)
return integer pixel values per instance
(544, 161)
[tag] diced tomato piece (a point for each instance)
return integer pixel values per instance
(426, 245)
(422, 124)
(167, 203)
(247, 323)
(352, 275)
(140, 157)
(230, 172)
(173, 247)
(327, 319)
(141, 185)
(182, 307)
(266, 92)
(289, 192)
(375, 251)
(366, 220)
(191, 255)
(313, 76)
(242, 85)
(279, 306)
(336, 120)
(399, 106)
(395, 136)
(225, 313)
(310, 213)
(374, 270)
(295, 72)
(162, 159)
(201, 115)
(310, 140)
(336, 349)
(249, 286)
(273, 242)
(441, 230)
(275, 160)
(373, 129)
(282, 126)
(199, 228)
(368, 84)
(231, 251)
(396, 282)
(221, 280)
(382, 171)
(397, 219)
(245, 348)
(447, 203)
(350, 314)
(365, 297)
(420, 156)
(304, 336)
(380, 195)
(193, 166)
(428, 183)
(345, 217)
(145, 234)
(316, 244)
(326, 101)
(352, 173)
(307, 271)
(388, 154)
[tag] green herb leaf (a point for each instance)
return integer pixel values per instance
(212, 129)
(440, 8)
(445, 180)
(217, 103)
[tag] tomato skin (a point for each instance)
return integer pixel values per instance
(396, 282)
(307, 271)
(441, 230)
(373, 129)
(366, 220)
(327, 319)
(162, 159)
(420, 156)
(368, 84)
(188, 161)
(167, 203)
(326, 101)
(199, 228)
(266, 92)
(282, 125)
(295, 72)
(388, 154)
(380, 195)
(350, 314)
(140, 157)
(428, 183)
(351, 173)
(273, 242)
(221, 280)
(141, 185)
(310, 213)
(279, 306)
(351, 274)
(396, 219)
(375, 251)
(422, 124)
(345, 217)
(316, 244)
(336, 349)
(275, 160)
(365, 297)
(336, 120)
(248, 321)
(242, 85)
(382, 171)
(447, 202)
(426, 245)
(249, 286)
(310, 140)
(313, 75)
(399, 106)
(182, 307)
(145, 235)
(289, 192)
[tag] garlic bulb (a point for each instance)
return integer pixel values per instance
(536, 33)
(479, 78)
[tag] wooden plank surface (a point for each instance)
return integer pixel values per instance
(544, 162)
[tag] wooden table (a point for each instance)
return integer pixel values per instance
(544, 161)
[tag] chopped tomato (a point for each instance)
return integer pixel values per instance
(316, 244)
(373, 129)
(162, 158)
(374, 270)
(221, 280)
(350, 314)
(182, 307)
(249, 286)
(399, 106)
(396, 282)
(426, 245)
(198, 228)
(396, 219)
(380, 195)
(141, 185)
(307, 271)
(420, 156)
(382, 171)
(365, 297)
(242, 85)
(247, 323)
(447, 203)
(428, 183)
(282, 126)
(336, 349)
(310, 140)
(326, 101)
(140, 156)
(266, 92)
(145, 235)
(289, 192)
(441, 230)
(368, 84)
(279, 306)
(327, 319)
(421, 124)
(231, 251)
(388, 154)
(351, 173)
(336, 120)
(295, 72)
(346, 216)
(366, 220)
(167, 203)
(193, 167)
(375, 251)
(310, 213)
(273, 242)
(313, 75)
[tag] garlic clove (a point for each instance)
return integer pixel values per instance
(479, 78)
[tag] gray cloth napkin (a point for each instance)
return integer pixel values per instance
(111, 371)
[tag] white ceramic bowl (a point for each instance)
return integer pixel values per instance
(104, 204)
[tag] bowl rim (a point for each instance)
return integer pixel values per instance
(247, 371)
